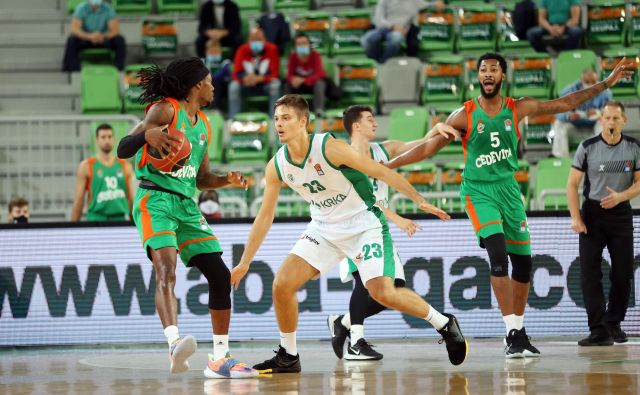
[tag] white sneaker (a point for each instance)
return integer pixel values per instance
(180, 350)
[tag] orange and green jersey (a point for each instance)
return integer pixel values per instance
(107, 187)
(183, 181)
(490, 143)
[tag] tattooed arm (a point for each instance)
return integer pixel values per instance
(529, 106)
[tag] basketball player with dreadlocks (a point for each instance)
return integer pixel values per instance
(168, 220)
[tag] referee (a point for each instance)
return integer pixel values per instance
(610, 163)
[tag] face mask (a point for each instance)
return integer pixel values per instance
(209, 207)
(218, 2)
(303, 51)
(256, 46)
(95, 2)
(20, 220)
(214, 58)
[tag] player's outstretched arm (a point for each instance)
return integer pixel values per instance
(149, 131)
(441, 135)
(340, 153)
(82, 177)
(261, 224)
(408, 226)
(529, 106)
(397, 148)
(205, 179)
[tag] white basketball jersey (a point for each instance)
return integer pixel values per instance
(380, 188)
(334, 194)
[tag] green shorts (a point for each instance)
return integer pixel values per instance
(497, 207)
(167, 220)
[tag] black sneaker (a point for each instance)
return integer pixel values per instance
(529, 349)
(596, 340)
(362, 351)
(456, 343)
(339, 334)
(281, 363)
(617, 333)
(515, 345)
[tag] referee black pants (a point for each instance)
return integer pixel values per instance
(612, 228)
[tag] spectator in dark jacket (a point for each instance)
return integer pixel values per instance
(256, 71)
(276, 30)
(305, 73)
(219, 21)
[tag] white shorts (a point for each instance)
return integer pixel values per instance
(347, 267)
(365, 239)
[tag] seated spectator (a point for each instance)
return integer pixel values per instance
(219, 21)
(305, 73)
(557, 18)
(220, 72)
(209, 204)
(394, 25)
(276, 30)
(581, 122)
(18, 211)
(94, 25)
(255, 72)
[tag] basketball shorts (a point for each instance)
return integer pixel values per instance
(167, 220)
(497, 207)
(347, 267)
(365, 239)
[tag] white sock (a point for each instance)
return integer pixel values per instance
(172, 334)
(509, 322)
(357, 333)
(220, 346)
(518, 321)
(288, 342)
(436, 319)
(346, 320)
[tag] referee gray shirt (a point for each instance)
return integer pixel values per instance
(607, 165)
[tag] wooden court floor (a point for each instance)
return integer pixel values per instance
(409, 367)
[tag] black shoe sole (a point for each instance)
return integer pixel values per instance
(597, 344)
(620, 341)
(279, 370)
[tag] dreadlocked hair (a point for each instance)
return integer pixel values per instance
(175, 81)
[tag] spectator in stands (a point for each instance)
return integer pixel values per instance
(209, 204)
(220, 72)
(256, 69)
(305, 73)
(219, 21)
(276, 30)
(583, 121)
(18, 211)
(557, 18)
(394, 25)
(106, 180)
(94, 25)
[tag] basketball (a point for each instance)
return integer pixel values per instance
(169, 162)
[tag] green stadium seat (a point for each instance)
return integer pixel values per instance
(178, 6)
(96, 56)
(348, 28)
(132, 89)
(606, 23)
(332, 123)
(216, 145)
(570, 64)
(100, 89)
(536, 130)
(531, 76)
(359, 81)
(552, 174)
(290, 5)
(159, 37)
(316, 25)
(142, 7)
(634, 26)
(450, 180)
(423, 177)
(408, 124)
(249, 138)
(444, 79)
(72, 4)
(626, 88)
(508, 41)
(249, 5)
(120, 129)
(477, 32)
(437, 31)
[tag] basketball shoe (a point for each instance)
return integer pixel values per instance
(281, 363)
(179, 351)
(529, 350)
(457, 346)
(338, 333)
(515, 345)
(362, 351)
(228, 368)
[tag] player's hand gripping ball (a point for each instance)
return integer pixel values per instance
(170, 152)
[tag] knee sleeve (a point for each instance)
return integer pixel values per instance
(497, 250)
(522, 265)
(219, 278)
